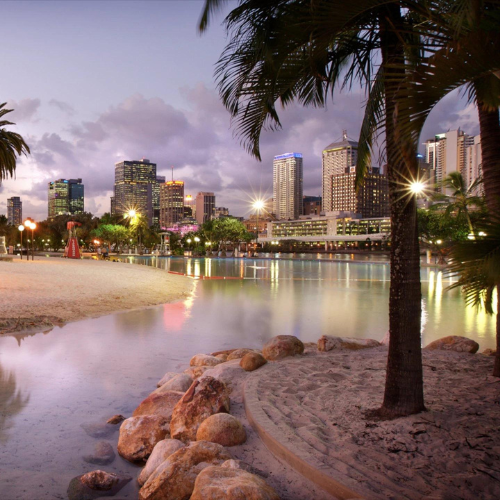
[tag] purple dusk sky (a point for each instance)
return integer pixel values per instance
(96, 82)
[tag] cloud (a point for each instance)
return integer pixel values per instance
(23, 110)
(197, 139)
(62, 106)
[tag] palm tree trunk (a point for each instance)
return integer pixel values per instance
(404, 379)
(489, 126)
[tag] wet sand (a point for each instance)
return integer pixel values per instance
(39, 294)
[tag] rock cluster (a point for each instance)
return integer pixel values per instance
(454, 343)
(281, 346)
(96, 484)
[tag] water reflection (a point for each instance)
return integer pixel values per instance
(12, 402)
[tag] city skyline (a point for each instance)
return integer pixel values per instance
(165, 107)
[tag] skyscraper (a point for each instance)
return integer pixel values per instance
(171, 203)
(205, 205)
(338, 158)
(15, 211)
(135, 183)
(446, 153)
(160, 179)
(66, 196)
(473, 164)
(287, 185)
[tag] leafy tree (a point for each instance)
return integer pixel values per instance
(114, 234)
(12, 145)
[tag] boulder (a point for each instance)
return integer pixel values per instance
(115, 419)
(139, 435)
(204, 360)
(197, 371)
(161, 452)
(239, 353)
(239, 464)
(227, 352)
(159, 404)
(168, 376)
(329, 343)
(96, 484)
(454, 343)
(103, 454)
(251, 361)
(204, 398)
(99, 429)
(180, 383)
(232, 375)
(223, 429)
(174, 479)
(281, 346)
(222, 357)
(385, 340)
(489, 352)
(221, 483)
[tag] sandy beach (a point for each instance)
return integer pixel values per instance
(52, 291)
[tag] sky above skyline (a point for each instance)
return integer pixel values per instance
(97, 82)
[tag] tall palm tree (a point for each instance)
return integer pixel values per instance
(12, 145)
(461, 199)
(300, 51)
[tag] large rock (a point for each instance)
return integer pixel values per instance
(221, 483)
(115, 419)
(387, 337)
(282, 346)
(239, 353)
(197, 371)
(161, 452)
(204, 360)
(226, 351)
(139, 435)
(454, 343)
(159, 404)
(96, 484)
(204, 398)
(489, 352)
(329, 343)
(180, 383)
(232, 375)
(174, 478)
(251, 361)
(223, 429)
(239, 464)
(222, 357)
(103, 454)
(99, 429)
(168, 376)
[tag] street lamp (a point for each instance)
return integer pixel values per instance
(417, 187)
(21, 229)
(31, 225)
(258, 205)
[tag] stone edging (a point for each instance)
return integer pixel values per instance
(302, 461)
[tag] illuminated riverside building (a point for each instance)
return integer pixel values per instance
(338, 158)
(205, 206)
(287, 185)
(311, 205)
(171, 203)
(331, 229)
(66, 197)
(14, 211)
(160, 179)
(134, 187)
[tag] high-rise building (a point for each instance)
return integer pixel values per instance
(287, 185)
(135, 184)
(473, 165)
(311, 205)
(189, 206)
(221, 212)
(205, 205)
(66, 196)
(371, 200)
(160, 179)
(171, 203)
(338, 158)
(15, 211)
(446, 153)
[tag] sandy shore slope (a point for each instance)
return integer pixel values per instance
(51, 291)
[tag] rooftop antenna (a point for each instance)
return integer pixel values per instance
(344, 135)
(172, 173)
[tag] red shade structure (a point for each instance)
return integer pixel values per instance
(72, 250)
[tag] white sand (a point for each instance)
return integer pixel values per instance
(451, 451)
(51, 291)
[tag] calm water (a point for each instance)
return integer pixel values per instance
(89, 370)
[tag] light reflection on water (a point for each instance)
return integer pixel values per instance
(92, 369)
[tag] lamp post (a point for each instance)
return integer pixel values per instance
(258, 205)
(31, 225)
(21, 229)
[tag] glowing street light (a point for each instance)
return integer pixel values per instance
(417, 187)
(31, 225)
(21, 229)
(258, 206)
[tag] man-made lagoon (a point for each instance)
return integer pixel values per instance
(51, 383)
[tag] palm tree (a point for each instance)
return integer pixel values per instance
(12, 145)
(461, 199)
(300, 51)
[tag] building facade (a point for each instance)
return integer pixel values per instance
(171, 203)
(135, 185)
(287, 185)
(66, 197)
(14, 211)
(371, 200)
(205, 206)
(337, 158)
(473, 165)
(160, 179)
(311, 205)
(221, 212)
(446, 153)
